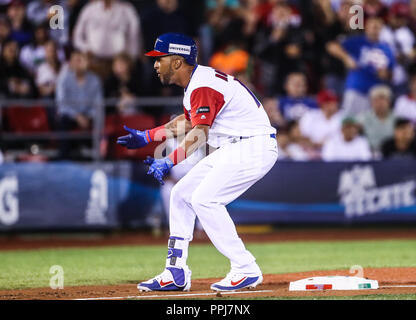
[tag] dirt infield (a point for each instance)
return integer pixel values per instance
(391, 281)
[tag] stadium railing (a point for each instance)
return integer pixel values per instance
(34, 125)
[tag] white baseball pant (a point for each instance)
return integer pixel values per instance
(209, 186)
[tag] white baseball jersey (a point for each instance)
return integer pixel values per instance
(225, 104)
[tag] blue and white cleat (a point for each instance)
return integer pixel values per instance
(171, 279)
(237, 281)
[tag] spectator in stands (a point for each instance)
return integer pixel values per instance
(220, 15)
(33, 54)
(412, 16)
(290, 143)
(378, 122)
(376, 8)
(347, 145)
(38, 10)
(15, 81)
(4, 30)
(124, 83)
(169, 17)
(329, 26)
(405, 106)
(285, 48)
(369, 61)
(283, 142)
(74, 8)
(318, 125)
(250, 16)
(403, 144)
(106, 28)
(401, 41)
(236, 20)
(20, 26)
(263, 9)
(38, 13)
(48, 70)
(78, 97)
(292, 106)
(232, 59)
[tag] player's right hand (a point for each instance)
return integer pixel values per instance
(158, 167)
(135, 139)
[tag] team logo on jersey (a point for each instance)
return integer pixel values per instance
(203, 117)
(179, 48)
(202, 110)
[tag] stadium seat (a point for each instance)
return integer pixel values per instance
(114, 128)
(27, 119)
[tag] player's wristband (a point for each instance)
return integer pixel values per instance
(177, 156)
(156, 134)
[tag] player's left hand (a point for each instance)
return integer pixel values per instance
(135, 139)
(158, 167)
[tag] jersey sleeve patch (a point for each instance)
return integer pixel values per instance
(202, 110)
(205, 105)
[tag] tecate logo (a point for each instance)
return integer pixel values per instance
(361, 196)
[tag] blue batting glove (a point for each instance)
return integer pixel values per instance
(158, 167)
(135, 139)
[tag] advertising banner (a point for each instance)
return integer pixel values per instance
(37, 196)
(73, 195)
(307, 192)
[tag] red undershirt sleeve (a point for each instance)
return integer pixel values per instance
(156, 134)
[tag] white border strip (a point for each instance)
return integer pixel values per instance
(176, 295)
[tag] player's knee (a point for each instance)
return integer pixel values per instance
(178, 195)
(195, 202)
(198, 200)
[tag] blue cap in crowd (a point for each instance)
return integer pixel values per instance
(175, 43)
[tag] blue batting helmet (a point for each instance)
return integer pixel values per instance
(175, 43)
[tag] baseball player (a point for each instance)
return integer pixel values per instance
(223, 112)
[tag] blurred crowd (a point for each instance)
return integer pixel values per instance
(335, 88)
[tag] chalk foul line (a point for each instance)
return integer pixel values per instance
(176, 295)
(400, 286)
